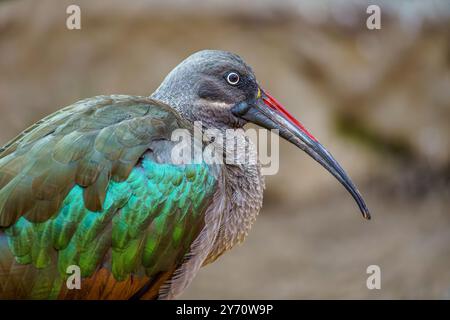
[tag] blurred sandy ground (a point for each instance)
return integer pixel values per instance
(379, 100)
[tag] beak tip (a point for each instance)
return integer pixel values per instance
(366, 214)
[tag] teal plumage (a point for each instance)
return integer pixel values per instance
(109, 204)
(141, 227)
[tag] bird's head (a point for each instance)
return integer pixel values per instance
(220, 89)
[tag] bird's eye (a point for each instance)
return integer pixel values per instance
(233, 78)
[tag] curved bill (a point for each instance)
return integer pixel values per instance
(270, 114)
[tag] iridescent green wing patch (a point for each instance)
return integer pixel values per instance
(147, 225)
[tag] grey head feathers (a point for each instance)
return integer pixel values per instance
(198, 90)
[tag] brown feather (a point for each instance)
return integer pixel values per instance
(94, 195)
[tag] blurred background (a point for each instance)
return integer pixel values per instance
(378, 99)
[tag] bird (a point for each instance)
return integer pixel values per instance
(95, 186)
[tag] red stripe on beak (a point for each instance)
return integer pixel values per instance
(274, 104)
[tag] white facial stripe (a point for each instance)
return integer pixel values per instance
(215, 104)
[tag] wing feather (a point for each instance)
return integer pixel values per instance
(85, 144)
(83, 187)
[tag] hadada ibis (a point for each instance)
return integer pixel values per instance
(94, 186)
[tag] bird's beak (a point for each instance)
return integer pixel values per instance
(270, 114)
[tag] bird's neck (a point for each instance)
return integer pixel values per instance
(243, 182)
(243, 188)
